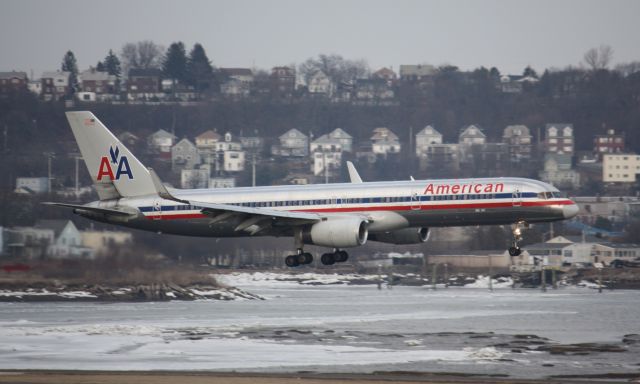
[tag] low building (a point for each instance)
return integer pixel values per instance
(32, 185)
(55, 85)
(222, 182)
(293, 143)
(373, 91)
(610, 142)
(104, 242)
(470, 136)
(320, 84)
(283, 81)
(384, 142)
(237, 82)
(417, 73)
(608, 252)
(559, 138)
(518, 139)
(184, 155)
(194, 178)
(427, 137)
(27, 242)
(326, 163)
(161, 142)
(11, 82)
(620, 167)
(385, 74)
(67, 243)
(558, 171)
(103, 85)
(144, 84)
(345, 139)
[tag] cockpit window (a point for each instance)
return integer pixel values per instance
(542, 195)
(556, 194)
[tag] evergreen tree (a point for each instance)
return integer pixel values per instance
(530, 72)
(69, 64)
(100, 67)
(174, 65)
(112, 64)
(199, 69)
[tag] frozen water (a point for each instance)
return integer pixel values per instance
(324, 328)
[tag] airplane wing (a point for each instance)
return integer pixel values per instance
(255, 219)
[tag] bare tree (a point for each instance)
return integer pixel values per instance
(626, 69)
(598, 58)
(335, 67)
(141, 55)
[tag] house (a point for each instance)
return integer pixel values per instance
(488, 159)
(128, 139)
(384, 141)
(27, 242)
(35, 87)
(235, 88)
(11, 82)
(417, 73)
(320, 84)
(293, 143)
(103, 242)
(518, 139)
(373, 90)
(244, 75)
(427, 137)
(161, 142)
(226, 154)
(620, 167)
(559, 138)
(558, 171)
(608, 252)
(32, 185)
(386, 74)
(195, 178)
(345, 139)
(441, 159)
(515, 83)
(67, 242)
(55, 85)
(611, 142)
(326, 163)
(184, 155)
(207, 140)
(252, 143)
(101, 84)
(234, 160)
(283, 81)
(470, 136)
(222, 182)
(326, 155)
(144, 84)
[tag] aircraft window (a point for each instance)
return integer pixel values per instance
(542, 195)
(556, 194)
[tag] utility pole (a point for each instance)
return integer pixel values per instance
(543, 277)
(446, 275)
(50, 155)
(253, 166)
(490, 275)
(326, 166)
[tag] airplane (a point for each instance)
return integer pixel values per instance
(337, 216)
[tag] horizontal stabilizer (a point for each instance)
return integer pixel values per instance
(124, 211)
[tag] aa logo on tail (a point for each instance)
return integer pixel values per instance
(114, 161)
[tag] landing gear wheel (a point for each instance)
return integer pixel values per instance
(328, 259)
(515, 251)
(292, 261)
(305, 258)
(341, 256)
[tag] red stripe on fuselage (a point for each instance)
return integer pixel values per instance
(434, 207)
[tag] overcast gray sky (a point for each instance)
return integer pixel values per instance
(508, 34)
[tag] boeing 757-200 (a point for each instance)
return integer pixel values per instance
(336, 216)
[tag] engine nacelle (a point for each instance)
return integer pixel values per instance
(402, 236)
(339, 232)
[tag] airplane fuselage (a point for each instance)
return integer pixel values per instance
(388, 205)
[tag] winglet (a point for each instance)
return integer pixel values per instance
(161, 189)
(353, 173)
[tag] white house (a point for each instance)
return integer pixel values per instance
(384, 141)
(331, 160)
(345, 139)
(67, 241)
(293, 143)
(427, 137)
(320, 84)
(161, 142)
(559, 138)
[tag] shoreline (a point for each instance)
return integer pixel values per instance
(200, 377)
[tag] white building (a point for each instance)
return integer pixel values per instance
(345, 139)
(222, 182)
(161, 141)
(427, 137)
(331, 160)
(293, 143)
(384, 141)
(184, 155)
(320, 84)
(620, 167)
(32, 184)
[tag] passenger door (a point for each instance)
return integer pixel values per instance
(517, 197)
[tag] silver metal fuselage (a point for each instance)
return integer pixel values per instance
(388, 206)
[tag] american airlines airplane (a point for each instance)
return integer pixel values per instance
(336, 216)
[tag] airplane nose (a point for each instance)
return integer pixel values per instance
(570, 211)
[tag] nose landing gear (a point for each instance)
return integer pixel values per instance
(516, 230)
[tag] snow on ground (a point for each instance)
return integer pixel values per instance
(246, 279)
(483, 282)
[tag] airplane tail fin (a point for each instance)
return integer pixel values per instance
(115, 171)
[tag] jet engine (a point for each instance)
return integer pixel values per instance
(402, 236)
(339, 232)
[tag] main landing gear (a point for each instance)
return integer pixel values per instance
(337, 256)
(516, 230)
(301, 258)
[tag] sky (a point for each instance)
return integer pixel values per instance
(507, 34)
